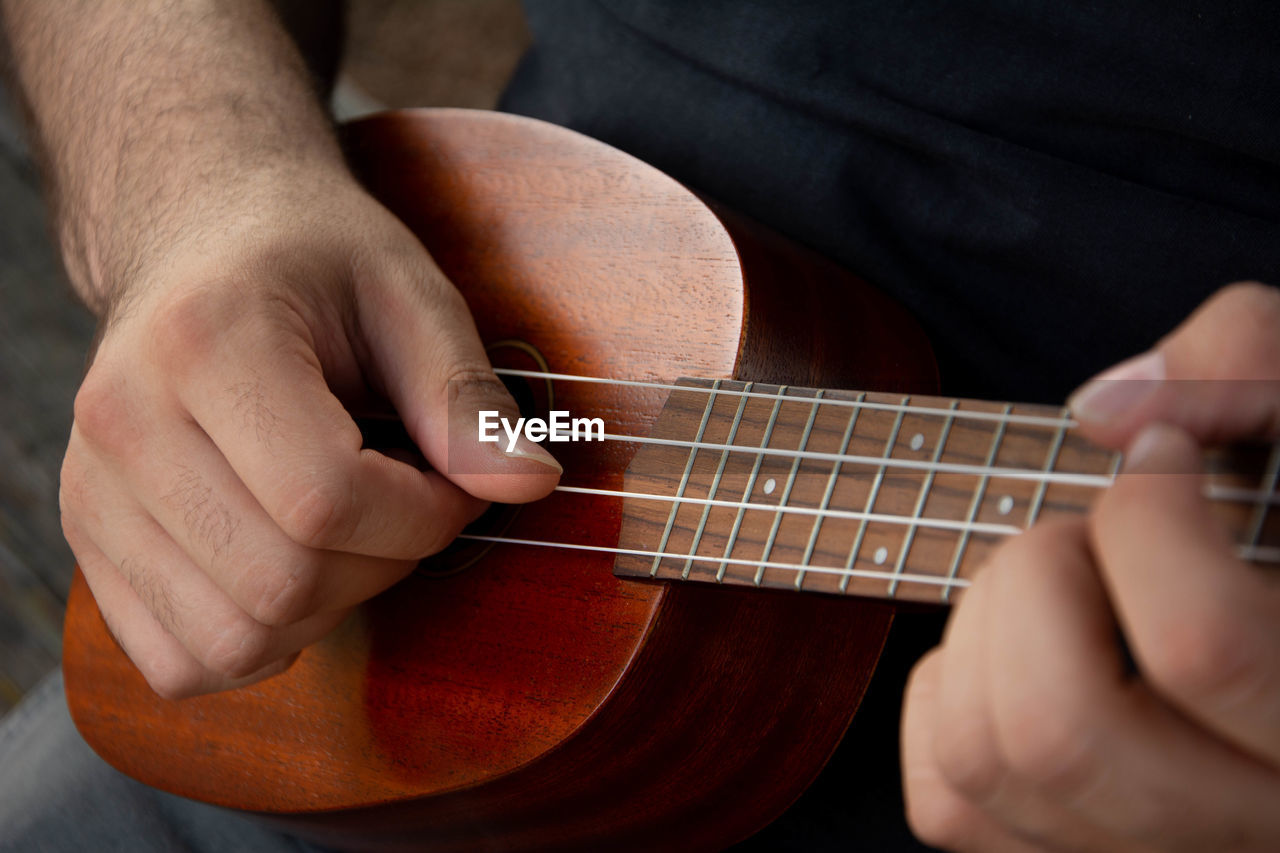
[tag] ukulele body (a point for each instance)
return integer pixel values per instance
(530, 699)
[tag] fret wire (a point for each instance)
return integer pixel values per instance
(925, 486)
(1099, 481)
(969, 414)
(851, 514)
(786, 491)
(978, 492)
(871, 496)
(1033, 511)
(684, 479)
(930, 580)
(715, 484)
(826, 495)
(751, 483)
(1267, 487)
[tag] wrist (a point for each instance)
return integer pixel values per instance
(187, 200)
(152, 116)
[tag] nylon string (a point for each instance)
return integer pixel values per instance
(1212, 491)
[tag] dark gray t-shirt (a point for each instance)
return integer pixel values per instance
(1049, 186)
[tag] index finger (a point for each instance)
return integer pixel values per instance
(1217, 376)
(262, 397)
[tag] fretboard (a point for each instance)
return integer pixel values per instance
(875, 494)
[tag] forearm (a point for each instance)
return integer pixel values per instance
(157, 116)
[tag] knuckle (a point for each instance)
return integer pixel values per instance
(1240, 327)
(102, 414)
(1207, 657)
(968, 759)
(1252, 297)
(171, 676)
(1259, 307)
(285, 593)
(477, 384)
(1262, 337)
(187, 329)
(238, 650)
(1051, 746)
(319, 512)
(939, 821)
(96, 404)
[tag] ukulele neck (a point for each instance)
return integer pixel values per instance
(872, 494)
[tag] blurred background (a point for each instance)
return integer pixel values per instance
(398, 53)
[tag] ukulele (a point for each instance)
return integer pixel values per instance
(666, 650)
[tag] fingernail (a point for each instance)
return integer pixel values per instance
(1143, 449)
(1163, 449)
(1118, 390)
(534, 452)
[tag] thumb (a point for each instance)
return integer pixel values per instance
(429, 355)
(1216, 376)
(1199, 621)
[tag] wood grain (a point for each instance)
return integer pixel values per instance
(891, 496)
(534, 700)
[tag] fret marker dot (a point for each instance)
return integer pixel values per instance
(769, 485)
(1006, 505)
(882, 554)
(917, 441)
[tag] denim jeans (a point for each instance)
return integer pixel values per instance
(56, 794)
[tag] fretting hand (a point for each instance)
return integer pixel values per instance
(1028, 728)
